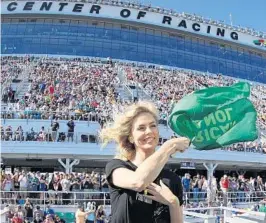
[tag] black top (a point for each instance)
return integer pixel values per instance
(88, 184)
(29, 211)
(129, 206)
(71, 126)
(55, 126)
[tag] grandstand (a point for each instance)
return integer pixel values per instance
(80, 62)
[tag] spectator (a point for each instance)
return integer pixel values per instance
(49, 211)
(58, 189)
(49, 219)
(16, 219)
(42, 134)
(19, 134)
(38, 218)
(59, 220)
(100, 214)
(38, 212)
(196, 187)
(76, 188)
(104, 184)
(66, 189)
(224, 185)
(16, 182)
(33, 185)
(43, 186)
(21, 213)
(88, 186)
(71, 126)
(91, 218)
(8, 213)
(80, 215)
(54, 126)
(241, 189)
(7, 187)
(186, 182)
(51, 190)
(23, 184)
(29, 210)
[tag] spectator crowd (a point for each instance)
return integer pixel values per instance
(33, 196)
(227, 188)
(65, 188)
(57, 185)
(89, 90)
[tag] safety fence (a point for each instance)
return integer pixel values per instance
(65, 204)
(103, 198)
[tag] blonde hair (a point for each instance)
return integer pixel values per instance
(120, 130)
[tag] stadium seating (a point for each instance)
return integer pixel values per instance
(90, 90)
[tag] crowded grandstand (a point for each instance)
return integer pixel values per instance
(64, 79)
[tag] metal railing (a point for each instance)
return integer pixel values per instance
(50, 197)
(224, 198)
(49, 115)
(55, 136)
(203, 212)
(82, 137)
(49, 136)
(92, 195)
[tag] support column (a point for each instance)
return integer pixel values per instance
(75, 162)
(210, 169)
(68, 165)
(210, 192)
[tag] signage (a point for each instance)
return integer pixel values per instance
(187, 165)
(126, 14)
(8, 170)
(260, 42)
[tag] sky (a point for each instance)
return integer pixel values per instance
(246, 13)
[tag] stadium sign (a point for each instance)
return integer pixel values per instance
(260, 42)
(187, 165)
(122, 13)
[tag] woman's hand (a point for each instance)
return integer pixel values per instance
(161, 193)
(176, 145)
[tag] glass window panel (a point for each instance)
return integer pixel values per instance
(133, 37)
(125, 35)
(62, 41)
(106, 52)
(165, 41)
(149, 50)
(106, 45)
(141, 48)
(116, 34)
(141, 38)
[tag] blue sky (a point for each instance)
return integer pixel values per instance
(246, 13)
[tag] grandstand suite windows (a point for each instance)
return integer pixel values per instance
(99, 39)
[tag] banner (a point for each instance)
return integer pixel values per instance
(215, 117)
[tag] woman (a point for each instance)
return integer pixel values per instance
(42, 187)
(91, 209)
(141, 191)
(7, 187)
(100, 214)
(51, 190)
(49, 219)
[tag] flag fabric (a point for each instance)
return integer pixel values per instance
(215, 117)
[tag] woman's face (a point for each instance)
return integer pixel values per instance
(144, 133)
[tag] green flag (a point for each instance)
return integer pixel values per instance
(215, 116)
